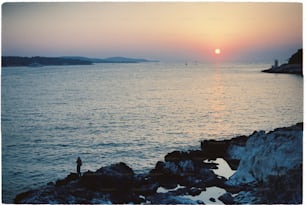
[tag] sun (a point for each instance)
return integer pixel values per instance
(217, 51)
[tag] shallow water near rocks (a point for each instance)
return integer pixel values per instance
(223, 168)
(211, 192)
(135, 113)
(164, 190)
(205, 196)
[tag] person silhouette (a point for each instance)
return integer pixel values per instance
(79, 164)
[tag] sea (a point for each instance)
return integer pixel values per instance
(132, 113)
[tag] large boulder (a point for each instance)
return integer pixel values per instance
(111, 183)
(272, 162)
(230, 150)
(114, 178)
(186, 172)
(269, 154)
(215, 149)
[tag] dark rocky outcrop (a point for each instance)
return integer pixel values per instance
(115, 183)
(213, 149)
(294, 65)
(186, 173)
(189, 173)
(117, 177)
(270, 169)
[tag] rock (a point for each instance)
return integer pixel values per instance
(187, 167)
(197, 156)
(144, 185)
(296, 58)
(165, 174)
(69, 178)
(239, 140)
(24, 195)
(180, 191)
(207, 175)
(233, 189)
(235, 150)
(112, 183)
(195, 191)
(269, 171)
(193, 155)
(212, 199)
(175, 156)
(114, 178)
(187, 173)
(271, 167)
(285, 188)
(265, 153)
(229, 150)
(214, 149)
(286, 68)
(210, 165)
(226, 198)
(167, 198)
(49, 194)
(246, 197)
(233, 163)
(200, 202)
(50, 183)
(219, 181)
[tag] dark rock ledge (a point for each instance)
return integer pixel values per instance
(252, 183)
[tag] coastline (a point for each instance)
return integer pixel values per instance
(294, 65)
(261, 175)
(286, 69)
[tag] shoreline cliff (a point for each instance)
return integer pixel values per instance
(268, 169)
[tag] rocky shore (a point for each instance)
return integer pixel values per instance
(286, 68)
(294, 65)
(268, 170)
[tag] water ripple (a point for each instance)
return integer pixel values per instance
(106, 115)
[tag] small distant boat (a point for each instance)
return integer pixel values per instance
(35, 65)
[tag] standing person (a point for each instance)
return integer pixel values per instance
(79, 164)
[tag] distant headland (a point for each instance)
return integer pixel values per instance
(38, 61)
(294, 65)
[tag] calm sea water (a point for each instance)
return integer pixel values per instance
(135, 113)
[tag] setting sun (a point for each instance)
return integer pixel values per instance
(217, 51)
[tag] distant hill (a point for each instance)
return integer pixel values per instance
(111, 59)
(93, 60)
(10, 61)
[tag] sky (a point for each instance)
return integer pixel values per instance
(165, 31)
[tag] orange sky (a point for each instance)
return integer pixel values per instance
(157, 30)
